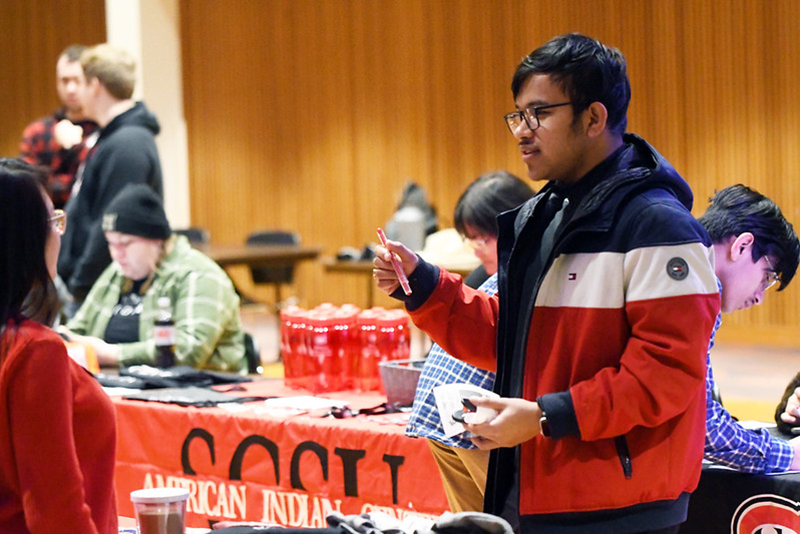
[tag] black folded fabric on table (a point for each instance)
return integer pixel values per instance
(112, 380)
(447, 523)
(277, 530)
(148, 377)
(189, 396)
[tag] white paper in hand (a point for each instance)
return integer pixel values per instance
(448, 401)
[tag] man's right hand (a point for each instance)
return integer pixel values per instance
(383, 270)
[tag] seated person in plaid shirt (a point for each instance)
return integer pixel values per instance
(149, 262)
(755, 247)
(462, 465)
(61, 141)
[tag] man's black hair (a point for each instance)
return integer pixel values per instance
(586, 70)
(738, 209)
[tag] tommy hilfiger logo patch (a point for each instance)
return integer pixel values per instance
(572, 276)
(677, 268)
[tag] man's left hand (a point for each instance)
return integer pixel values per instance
(517, 421)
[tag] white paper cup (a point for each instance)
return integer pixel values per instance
(160, 510)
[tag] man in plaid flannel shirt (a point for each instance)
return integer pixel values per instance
(61, 141)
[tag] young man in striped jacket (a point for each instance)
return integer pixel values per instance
(607, 298)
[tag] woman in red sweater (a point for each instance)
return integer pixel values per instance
(57, 427)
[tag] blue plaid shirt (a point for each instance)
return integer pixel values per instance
(441, 368)
(729, 443)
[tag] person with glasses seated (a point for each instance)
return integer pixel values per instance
(150, 262)
(57, 425)
(755, 248)
(461, 464)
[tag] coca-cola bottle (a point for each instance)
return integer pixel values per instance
(164, 334)
(369, 355)
(324, 369)
(347, 343)
(401, 350)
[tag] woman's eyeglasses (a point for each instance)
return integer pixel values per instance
(59, 221)
(477, 242)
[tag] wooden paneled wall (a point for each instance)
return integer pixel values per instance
(313, 114)
(34, 33)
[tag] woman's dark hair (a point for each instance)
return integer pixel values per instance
(586, 70)
(485, 198)
(25, 284)
(738, 209)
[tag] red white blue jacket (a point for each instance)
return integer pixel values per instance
(615, 337)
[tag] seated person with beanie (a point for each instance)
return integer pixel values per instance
(150, 262)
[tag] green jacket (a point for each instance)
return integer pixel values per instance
(205, 308)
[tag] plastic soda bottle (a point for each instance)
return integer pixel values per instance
(294, 369)
(288, 317)
(323, 362)
(369, 351)
(346, 342)
(164, 334)
(401, 349)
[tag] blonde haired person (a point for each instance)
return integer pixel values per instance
(125, 153)
(112, 68)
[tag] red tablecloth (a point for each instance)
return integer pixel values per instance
(291, 470)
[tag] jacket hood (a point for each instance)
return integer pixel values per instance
(638, 153)
(634, 167)
(138, 115)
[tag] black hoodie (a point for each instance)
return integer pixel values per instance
(125, 153)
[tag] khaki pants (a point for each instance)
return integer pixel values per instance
(463, 474)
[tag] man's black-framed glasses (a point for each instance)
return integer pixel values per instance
(530, 115)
